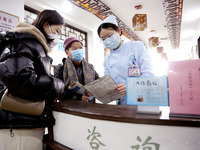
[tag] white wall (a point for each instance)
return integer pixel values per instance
(96, 53)
(15, 7)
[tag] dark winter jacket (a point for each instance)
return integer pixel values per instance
(25, 71)
(69, 94)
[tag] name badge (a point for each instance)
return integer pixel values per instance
(134, 72)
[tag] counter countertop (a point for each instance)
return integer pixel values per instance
(122, 113)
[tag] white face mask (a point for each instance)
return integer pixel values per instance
(55, 38)
(111, 42)
(78, 54)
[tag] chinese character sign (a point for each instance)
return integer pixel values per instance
(146, 145)
(184, 83)
(7, 21)
(93, 137)
(147, 91)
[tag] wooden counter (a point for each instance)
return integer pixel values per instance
(84, 126)
(121, 114)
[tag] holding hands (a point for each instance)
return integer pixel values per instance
(86, 97)
(121, 88)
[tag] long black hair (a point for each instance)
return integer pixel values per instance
(106, 26)
(50, 16)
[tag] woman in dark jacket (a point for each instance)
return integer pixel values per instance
(25, 68)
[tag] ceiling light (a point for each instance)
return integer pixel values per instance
(138, 7)
(153, 41)
(164, 38)
(153, 31)
(160, 49)
(139, 22)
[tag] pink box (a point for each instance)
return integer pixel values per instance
(184, 87)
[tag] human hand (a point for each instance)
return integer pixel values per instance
(56, 99)
(87, 93)
(85, 98)
(121, 88)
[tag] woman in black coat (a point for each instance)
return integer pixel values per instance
(25, 68)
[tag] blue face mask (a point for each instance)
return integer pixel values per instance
(111, 42)
(77, 55)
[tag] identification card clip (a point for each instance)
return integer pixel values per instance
(134, 72)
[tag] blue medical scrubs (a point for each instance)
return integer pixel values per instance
(116, 63)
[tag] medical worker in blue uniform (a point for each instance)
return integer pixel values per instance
(127, 58)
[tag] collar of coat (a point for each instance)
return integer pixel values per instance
(24, 27)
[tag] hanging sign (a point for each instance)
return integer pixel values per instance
(7, 21)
